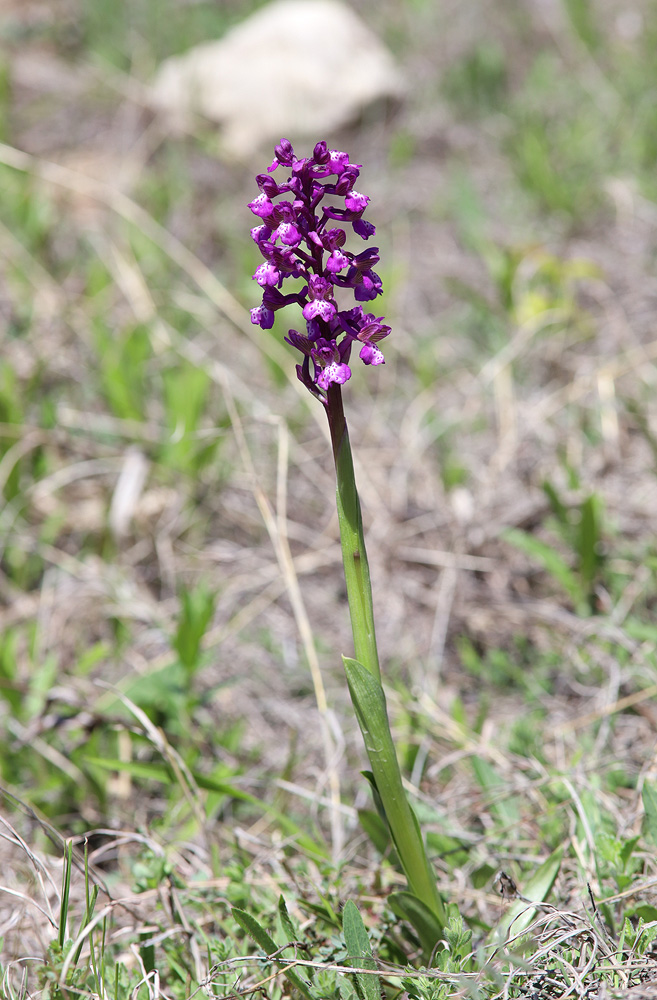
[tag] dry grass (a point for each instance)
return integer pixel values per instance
(480, 402)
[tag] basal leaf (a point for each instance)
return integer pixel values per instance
(265, 941)
(428, 928)
(360, 949)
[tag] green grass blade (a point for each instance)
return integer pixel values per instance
(588, 539)
(559, 509)
(264, 940)
(493, 784)
(582, 15)
(360, 949)
(66, 890)
(550, 560)
(91, 895)
(649, 796)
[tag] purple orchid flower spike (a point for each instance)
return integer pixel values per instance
(297, 240)
(298, 237)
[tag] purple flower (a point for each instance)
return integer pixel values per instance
(296, 239)
(267, 274)
(260, 233)
(326, 356)
(289, 234)
(261, 206)
(262, 317)
(371, 355)
(356, 202)
(337, 262)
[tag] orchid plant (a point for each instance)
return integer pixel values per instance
(301, 235)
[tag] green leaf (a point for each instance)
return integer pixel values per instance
(452, 851)
(360, 949)
(627, 850)
(324, 911)
(502, 806)
(9, 671)
(123, 372)
(520, 915)
(558, 508)
(66, 888)
(196, 611)
(185, 392)
(458, 936)
(264, 940)
(644, 912)
(649, 796)
(347, 991)
(482, 875)
(376, 797)
(287, 926)
(407, 906)
(643, 631)
(375, 829)
(585, 21)
(550, 560)
(588, 538)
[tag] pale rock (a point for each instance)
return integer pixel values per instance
(294, 68)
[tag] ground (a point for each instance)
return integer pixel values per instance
(162, 702)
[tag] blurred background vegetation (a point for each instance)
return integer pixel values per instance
(164, 481)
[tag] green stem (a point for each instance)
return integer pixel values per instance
(354, 556)
(364, 675)
(369, 701)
